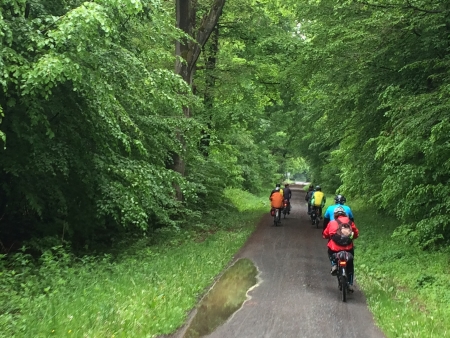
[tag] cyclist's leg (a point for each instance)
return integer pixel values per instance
(331, 257)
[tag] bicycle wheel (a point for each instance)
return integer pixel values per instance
(344, 288)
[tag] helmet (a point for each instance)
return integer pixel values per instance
(277, 185)
(318, 188)
(340, 199)
(339, 211)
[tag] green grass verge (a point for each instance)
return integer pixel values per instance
(245, 201)
(149, 289)
(407, 289)
(146, 291)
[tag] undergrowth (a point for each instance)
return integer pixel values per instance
(245, 201)
(145, 290)
(406, 287)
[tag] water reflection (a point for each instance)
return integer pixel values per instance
(223, 299)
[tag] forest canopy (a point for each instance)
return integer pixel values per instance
(137, 114)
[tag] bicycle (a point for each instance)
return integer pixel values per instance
(341, 259)
(287, 208)
(276, 213)
(315, 216)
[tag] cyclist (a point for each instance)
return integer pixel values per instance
(308, 196)
(276, 199)
(339, 200)
(318, 200)
(331, 231)
(277, 189)
(287, 194)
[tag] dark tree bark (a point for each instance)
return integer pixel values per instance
(188, 52)
(208, 97)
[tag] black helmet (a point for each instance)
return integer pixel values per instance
(318, 188)
(277, 185)
(339, 211)
(340, 199)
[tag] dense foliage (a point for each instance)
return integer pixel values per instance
(95, 113)
(92, 115)
(89, 115)
(372, 81)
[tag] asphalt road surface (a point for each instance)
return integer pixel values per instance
(297, 296)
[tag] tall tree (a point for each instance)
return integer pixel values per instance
(90, 114)
(188, 51)
(372, 81)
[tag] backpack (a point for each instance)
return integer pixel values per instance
(343, 234)
(318, 199)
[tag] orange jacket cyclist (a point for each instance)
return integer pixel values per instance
(277, 199)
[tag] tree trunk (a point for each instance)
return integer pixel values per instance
(210, 80)
(187, 53)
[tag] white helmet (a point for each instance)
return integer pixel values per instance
(339, 211)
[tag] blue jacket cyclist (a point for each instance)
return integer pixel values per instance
(329, 213)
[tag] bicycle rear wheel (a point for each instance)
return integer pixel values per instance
(344, 288)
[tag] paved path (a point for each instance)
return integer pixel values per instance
(297, 296)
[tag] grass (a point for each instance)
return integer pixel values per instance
(406, 287)
(245, 201)
(149, 288)
(146, 291)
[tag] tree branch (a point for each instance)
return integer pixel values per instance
(206, 27)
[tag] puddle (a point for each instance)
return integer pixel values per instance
(225, 298)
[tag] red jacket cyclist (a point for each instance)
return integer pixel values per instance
(341, 232)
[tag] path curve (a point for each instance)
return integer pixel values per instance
(297, 296)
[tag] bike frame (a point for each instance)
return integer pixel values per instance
(277, 217)
(316, 211)
(341, 259)
(315, 215)
(287, 207)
